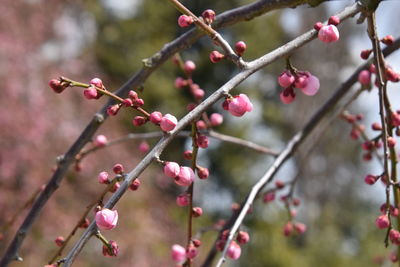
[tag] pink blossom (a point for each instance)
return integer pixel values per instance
(197, 212)
(189, 66)
(216, 119)
(203, 173)
(312, 86)
(243, 237)
(111, 252)
(100, 140)
(300, 227)
(59, 241)
(96, 82)
(118, 168)
(370, 179)
(103, 178)
(135, 185)
(90, 93)
(240, 48)
(287, 96)
(171, 169)
(138, 121)
(182, 200)
(185, 176)
(106, 219)
(364, 77)
(239, 105)
(394, 236)
(185, 21)
(328, 34)
(192, 252)
(382, 221)
(178, 254)
(208, 16)
(144, 147)
(286, 79)
(201, 125)
(202, 141)
(155, 117)
(168, 122)
(234, 251)
(113, 110)
(216, 56)
(57, 86)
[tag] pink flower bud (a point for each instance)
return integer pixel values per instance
(243, 237)
(113, 110)
(364, 77)
(370, 179)
(138, 121)
(90, 93)
(279, 184)
(196, 242)
(269, 197)
(334, 20)
(288, 229)
(216, 56)
(239, 105)
(144, 147)
(57, 86)
(301, 79)
(234, 251)
(240, 48)
(188, 154)
(185, 176)
(318, 25)
(106, 219)
(197, 212)
(112, 251)
(202, 141)
(100, 140)
(127, 102)
(182, 200)
(155, 117)
(286, 79)
(189, 66)
(97, 82)
(59, 241)
(216, 119)
(365, 53)
(191, 251)
(287, 96)
(135, 185)
(328, 34)
(168, 122)
(132, 95)
(103, 178)
(394, 236)
(391, 141)
(382, 222)
(372, 68)
(180, 82)
(171, 169)
(178, 254)
(115, 187)
(185, 21)
(198, 93)
(138, 102)
(388, 40)
(203, 173)
(300, 228)
(312, 86)
(118, 168)
(208, 16)
(201, 125)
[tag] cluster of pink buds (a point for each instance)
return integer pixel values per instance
(194, 89)
(179, 254)
(296, 227)
(303, 80)
(183, 176)
(111, 250)
(234, 250)
(207, 15)
(328, 33)
(106, 219)
(237, 105)
(91, 92)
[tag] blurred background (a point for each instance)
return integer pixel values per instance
(41, 40)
